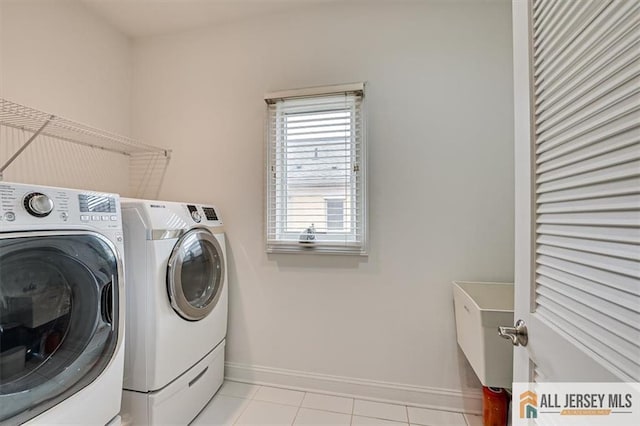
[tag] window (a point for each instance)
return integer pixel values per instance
(316, 171)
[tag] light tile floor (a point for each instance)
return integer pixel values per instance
(244, 404)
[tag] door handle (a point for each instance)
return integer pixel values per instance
(518, 334)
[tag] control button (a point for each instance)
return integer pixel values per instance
(119, 238)
(114, 218)
(64, 216)
(95, 217)
(105, 217)
(9, 216)
(196, 216)
(84, 217)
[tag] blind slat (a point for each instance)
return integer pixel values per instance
(314, 143)
(295, 152)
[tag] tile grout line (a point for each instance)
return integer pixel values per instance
(299, 407)
(253, 395)
(246, 406)
(242, 411)
(328, 410)
(353, 408)
(371, 416)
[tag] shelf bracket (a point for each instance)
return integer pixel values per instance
(24, 146)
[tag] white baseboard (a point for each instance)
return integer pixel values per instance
(398, 393)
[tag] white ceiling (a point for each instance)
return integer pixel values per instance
(139, 18)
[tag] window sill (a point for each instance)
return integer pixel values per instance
(316, 248)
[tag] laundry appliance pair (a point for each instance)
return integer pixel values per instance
(63, 292)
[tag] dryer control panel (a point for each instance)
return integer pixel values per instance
(203, 213)
(161, 216)
(195, 215)
(207, 215)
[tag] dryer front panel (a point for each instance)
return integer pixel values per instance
(195, 274)
(58, 318)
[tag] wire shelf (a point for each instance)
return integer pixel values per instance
(29, 119)
(23, 126)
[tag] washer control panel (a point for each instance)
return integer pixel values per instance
(22, 204)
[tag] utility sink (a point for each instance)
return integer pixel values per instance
(480, 308)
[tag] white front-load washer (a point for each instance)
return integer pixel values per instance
(61, 306)
(176, 311)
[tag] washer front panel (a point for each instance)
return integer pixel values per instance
(59, 304)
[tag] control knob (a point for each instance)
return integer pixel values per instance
(38, 204)
(196, 216)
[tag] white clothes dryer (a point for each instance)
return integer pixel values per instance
(176, 312)
(61, 306)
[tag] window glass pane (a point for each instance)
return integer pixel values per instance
(318, 158)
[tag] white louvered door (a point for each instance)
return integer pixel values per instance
(577, 136)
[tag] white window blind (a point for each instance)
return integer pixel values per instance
(316, 171)
(587, 176)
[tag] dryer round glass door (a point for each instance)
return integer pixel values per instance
(58, 318)
(195, 274)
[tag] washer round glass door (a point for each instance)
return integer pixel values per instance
(58, 317)
(195, 274)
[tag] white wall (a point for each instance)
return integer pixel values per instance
(60, 57)
(440, 132)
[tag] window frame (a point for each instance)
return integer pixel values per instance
(278, 240)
